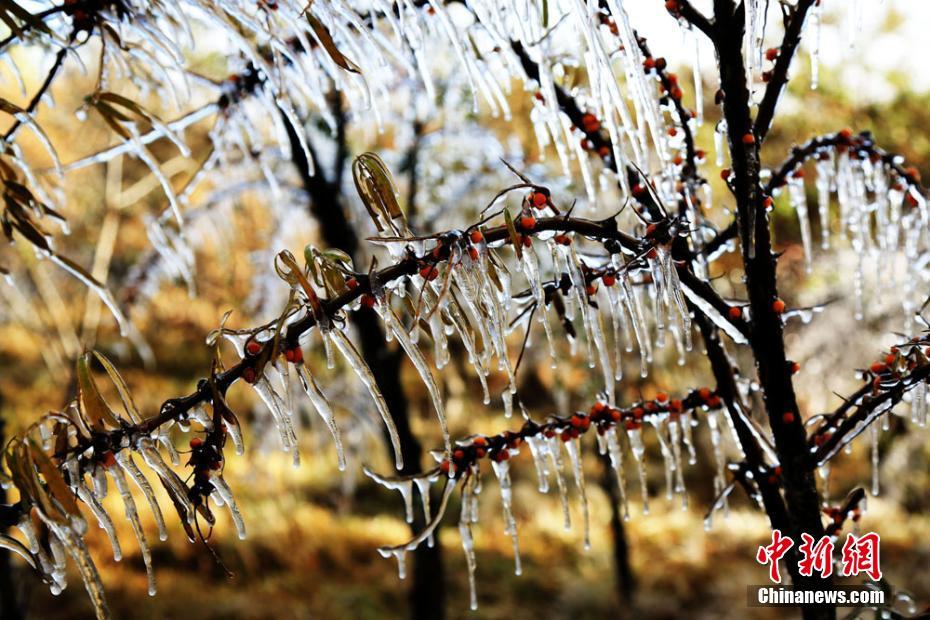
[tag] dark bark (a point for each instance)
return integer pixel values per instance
(623, 572)
(427, 588)
(774, 370)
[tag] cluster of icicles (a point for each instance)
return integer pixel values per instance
(92, 477)
(881, 212)
(620, 436)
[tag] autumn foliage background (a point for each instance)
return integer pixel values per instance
(311, 551)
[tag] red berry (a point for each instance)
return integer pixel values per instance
(672, 132)
(476, 236)
(608, 280)
(890, 358)
(671, 6)
(352, 283)
(778, 306)
(253, 347)
(771, 53)
(591, 289)
(249, 375)
(795, 367)
(713, 401)
(735, 313)
(662, 397)
(527, 241)
(845, 133)
(878, 367)
(787, 417)
(444, 467)
(649, 63)
(725, 174)
(676, 406)
(429, 272)
(604, 151)
(368, 301)
(704, 393)
(196, 442)
(748, 139)
(767, 203)
(479, 441)
(638, 190)
(473, 253)
(539, 199)
(527, 222)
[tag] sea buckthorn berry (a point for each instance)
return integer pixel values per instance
(662, 397)
(253, 347)
(503, 455)
(539, 199)
(638, 412)
(608, 280)
(771, 53)
(632, 425)
(748, 139)
(368, 301)
(845, 133)
(527, 222)
(476, 236)
(652, 253)
(352, 284)
(913, 172)
(249, 375)
(735, 313)
(878, 367)
(562, 239)
(778, 306)
(798, 174)
(787, 417)
(704, 393)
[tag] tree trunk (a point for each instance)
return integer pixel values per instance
(427, 589)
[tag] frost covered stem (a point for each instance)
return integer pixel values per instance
(767, 337)
(794, 26)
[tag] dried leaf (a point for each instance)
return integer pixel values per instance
(326, 40)
(93, 406)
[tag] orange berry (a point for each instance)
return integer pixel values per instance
(527, 222)
(473, 253)
(539, 199)
(778, 306)
(845, 133)
(196, 442)
(608, 280)
(748, 139)
(735, 313)
(662, 397)
(649, 63)
(676, 93)
(795, 367)
(890, 358)
(787, 417)
(476, 236)
(704, 393)
(878, 367)
(672, 132)
(676, 405)
(767, 203)
(480, 441)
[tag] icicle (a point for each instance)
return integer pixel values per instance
(76, 548)
(797, 195)
(639, 450)
(423, 487)
(225, 493)
(616, 461)
(540, 451)
(919, 404)
(321, 404)
(403, 484)
(124, 458)
(413, 352)
(133, 516)
(468, 543)
(713, 421)
(686, 426)
(555, 454)
(355, 361)
(282, 418)
(825, 179)
(502, 470)
(875, 465)
(817, 25)
(103, 518)
(674, 431)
